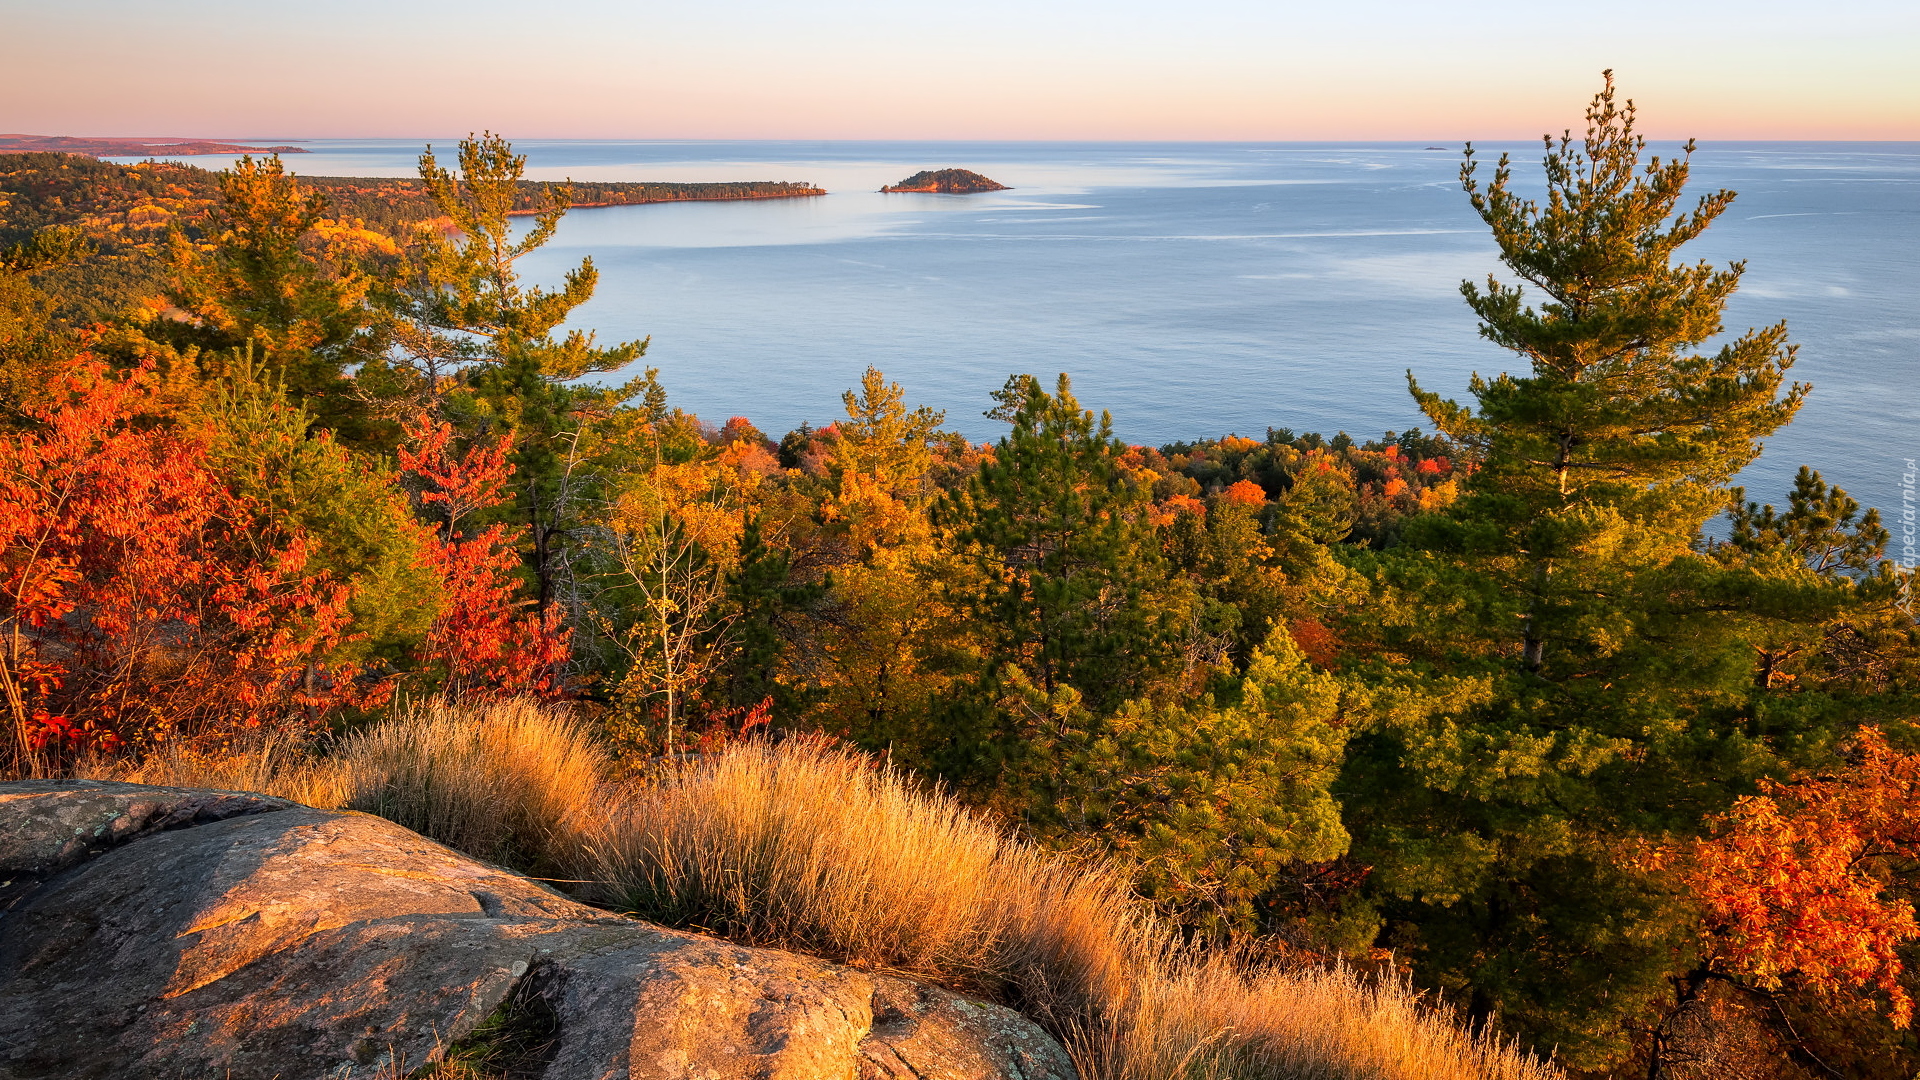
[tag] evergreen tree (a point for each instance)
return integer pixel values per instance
(1559, 670)
(1059, 571)
(1209, 801)
(279, 276)
(1620, 433)
(33, 346)
(1824, 558)
(479, 344)
(763, 592)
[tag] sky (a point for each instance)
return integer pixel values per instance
(986, 69)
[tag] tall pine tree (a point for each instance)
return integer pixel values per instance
(1559, 668)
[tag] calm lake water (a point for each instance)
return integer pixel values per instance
(1192, 289)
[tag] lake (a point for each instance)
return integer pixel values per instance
(1192, 289)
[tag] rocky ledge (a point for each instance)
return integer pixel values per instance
(947, 182)
(170, 933)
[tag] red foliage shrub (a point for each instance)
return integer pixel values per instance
(1317, 643)
(486, 643)
(141, 600)
(1794, 881)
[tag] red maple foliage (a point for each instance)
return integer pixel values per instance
(141, 600)
(485, 643)
(1795, 880)
(1317, 643)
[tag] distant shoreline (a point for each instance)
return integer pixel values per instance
(104, 148)
(748, 197)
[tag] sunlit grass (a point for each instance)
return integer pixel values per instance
(808, 846)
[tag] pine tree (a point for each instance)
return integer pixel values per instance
(1066, 570)
(281, 277)
(1559, 670)
(34, 347)
(1060, 573)
(1619, 431)
(480, 343)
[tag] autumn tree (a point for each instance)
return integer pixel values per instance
(486, 640)
(1807, 887)
(141, 599)
(882, 617)
(666, 567)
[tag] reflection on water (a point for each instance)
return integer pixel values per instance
(1191, 289)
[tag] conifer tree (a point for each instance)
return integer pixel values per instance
(1066, 571)
(1559, 670)
(1618, 428)
(1058, 570)
(33, 345)
(481, 343)
(280, 276)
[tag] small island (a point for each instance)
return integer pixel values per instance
(947, 182)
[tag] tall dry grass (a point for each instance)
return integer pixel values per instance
(512, 782)
(805, 846)
(271, 764)
(515, 782)
(801, 845)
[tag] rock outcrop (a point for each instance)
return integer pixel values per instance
(170, 933)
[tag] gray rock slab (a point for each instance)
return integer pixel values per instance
(168, 933)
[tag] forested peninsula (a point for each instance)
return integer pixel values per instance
(1524, 746)
(98, 147)
(127, 212)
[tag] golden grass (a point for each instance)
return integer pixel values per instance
(511, 782)
(1210, 1017)
(800, 845)
(271, 764)
(804, 846)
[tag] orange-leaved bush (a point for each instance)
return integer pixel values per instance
(141, 600)
(485, 644)
(1795, 880)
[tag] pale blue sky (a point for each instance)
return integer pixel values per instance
(1225, 69)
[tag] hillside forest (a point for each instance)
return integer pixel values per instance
(1531, 706)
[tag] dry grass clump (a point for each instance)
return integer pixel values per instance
(800, 845)
(1211, 1017)
(803, 846)
(270, 764)
(510, 782)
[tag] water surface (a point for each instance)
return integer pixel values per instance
(1191, 289)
